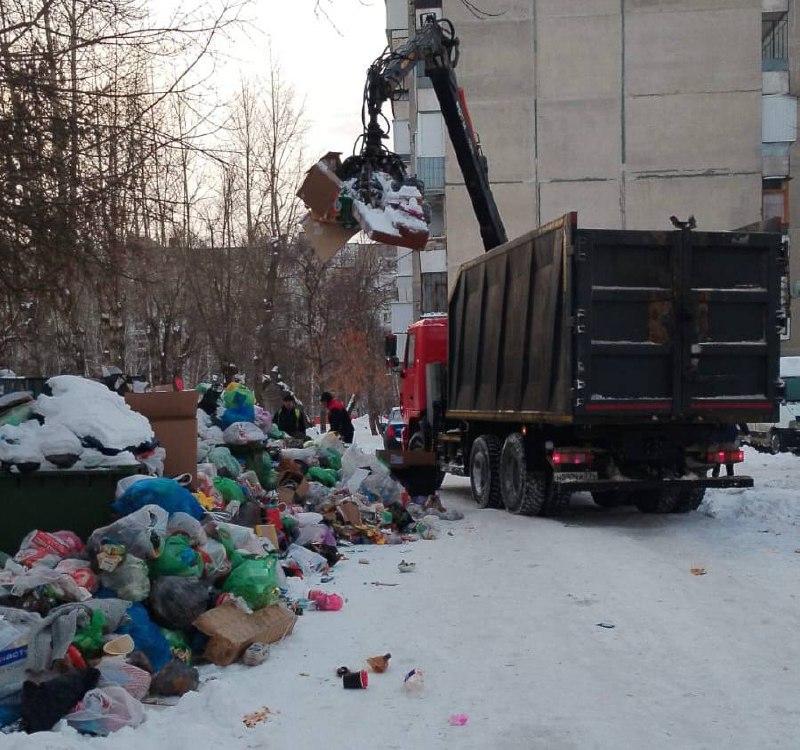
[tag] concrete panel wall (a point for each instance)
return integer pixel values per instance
(624, 110)
(597, 203)
(718, 202)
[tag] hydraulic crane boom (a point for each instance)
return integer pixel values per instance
(438, 48)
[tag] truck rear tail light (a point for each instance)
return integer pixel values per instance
(733, 456)
(571, 457)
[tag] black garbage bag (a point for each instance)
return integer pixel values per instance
(176, 678)
(43, 704)
(177, 601)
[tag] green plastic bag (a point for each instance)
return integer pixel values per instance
(178, 645)
(89, 639)
(229, 490)
(266, 473)
(237, 395)
(328, 477)
(333, 458)
(276, 433)
(222, 458)
(255, 580)
(178, 558)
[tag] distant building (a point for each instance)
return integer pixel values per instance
(625, 111)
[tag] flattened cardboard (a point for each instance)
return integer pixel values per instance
(325, 238)
(268, 531)
(173, 417)
(231, 630)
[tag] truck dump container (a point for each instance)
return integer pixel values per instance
(582, 326)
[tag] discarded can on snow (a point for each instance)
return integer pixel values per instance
(355, 680)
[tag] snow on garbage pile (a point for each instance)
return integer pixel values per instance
(90, 410)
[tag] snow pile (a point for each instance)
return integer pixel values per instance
(86, 426)
(773, 499)
(90, 410)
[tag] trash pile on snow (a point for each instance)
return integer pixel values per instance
(82, 425)
(92, 629)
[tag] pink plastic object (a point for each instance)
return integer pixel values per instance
(326, 602)
(458, 720)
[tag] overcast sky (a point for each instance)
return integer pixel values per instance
(326, 67)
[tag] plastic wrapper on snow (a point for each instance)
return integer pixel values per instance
(90, 410)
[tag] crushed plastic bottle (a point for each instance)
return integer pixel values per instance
(414, 682)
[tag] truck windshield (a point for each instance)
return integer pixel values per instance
(410, 350)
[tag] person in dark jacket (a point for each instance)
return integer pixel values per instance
(291, 418)
(338, 418)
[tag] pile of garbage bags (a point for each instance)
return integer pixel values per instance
(212, 568)
(81, 425)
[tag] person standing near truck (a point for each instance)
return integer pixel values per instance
(338, 418)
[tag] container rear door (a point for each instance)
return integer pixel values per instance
(679, 325)
(732, 324)
(628, 356)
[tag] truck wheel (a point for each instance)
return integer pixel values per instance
(610, 499)
(689, 500)
(484, 471)
(524, 492)
(656, 501)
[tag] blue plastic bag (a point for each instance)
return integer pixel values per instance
(147, 636)
(166, 493)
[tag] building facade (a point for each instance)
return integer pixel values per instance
(626, 111)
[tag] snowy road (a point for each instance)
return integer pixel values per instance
(503, 618)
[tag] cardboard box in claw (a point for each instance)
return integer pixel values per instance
(320, 191)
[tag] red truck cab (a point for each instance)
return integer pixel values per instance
(426, 343)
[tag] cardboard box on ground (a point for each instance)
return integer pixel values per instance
(231, 630)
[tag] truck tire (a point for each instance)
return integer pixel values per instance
(484, 471)
(657, 501)
(524, 492)
(689, 500)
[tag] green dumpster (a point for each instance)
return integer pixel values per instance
(78, 501)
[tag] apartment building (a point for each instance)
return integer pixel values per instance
(627, 111)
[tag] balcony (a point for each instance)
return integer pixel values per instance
(775, 42)
(430, 169)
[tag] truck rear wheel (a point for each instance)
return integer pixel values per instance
(656, 501)
(484, 471)
(690, 500)
(524, 492)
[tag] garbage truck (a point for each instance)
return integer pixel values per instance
(615, 362)
(571, 359)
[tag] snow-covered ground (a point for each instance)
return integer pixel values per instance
(503, 616)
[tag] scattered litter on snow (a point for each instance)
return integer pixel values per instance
(698, 571)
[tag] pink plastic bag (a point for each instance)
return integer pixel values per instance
(105, 710)
(116, 672)
(326, 602)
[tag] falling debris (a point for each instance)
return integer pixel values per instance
(698, 571)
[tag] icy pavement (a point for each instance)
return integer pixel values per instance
(503, 618)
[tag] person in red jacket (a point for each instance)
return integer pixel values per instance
(338, 418)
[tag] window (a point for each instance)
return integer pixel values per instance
(775, 41)
(410, 350)
(775, 205)
(434, 292)
(436, 203)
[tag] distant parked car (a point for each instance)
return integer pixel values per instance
(393, 434)
(784, 435)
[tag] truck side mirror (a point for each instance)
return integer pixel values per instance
(390, 346)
